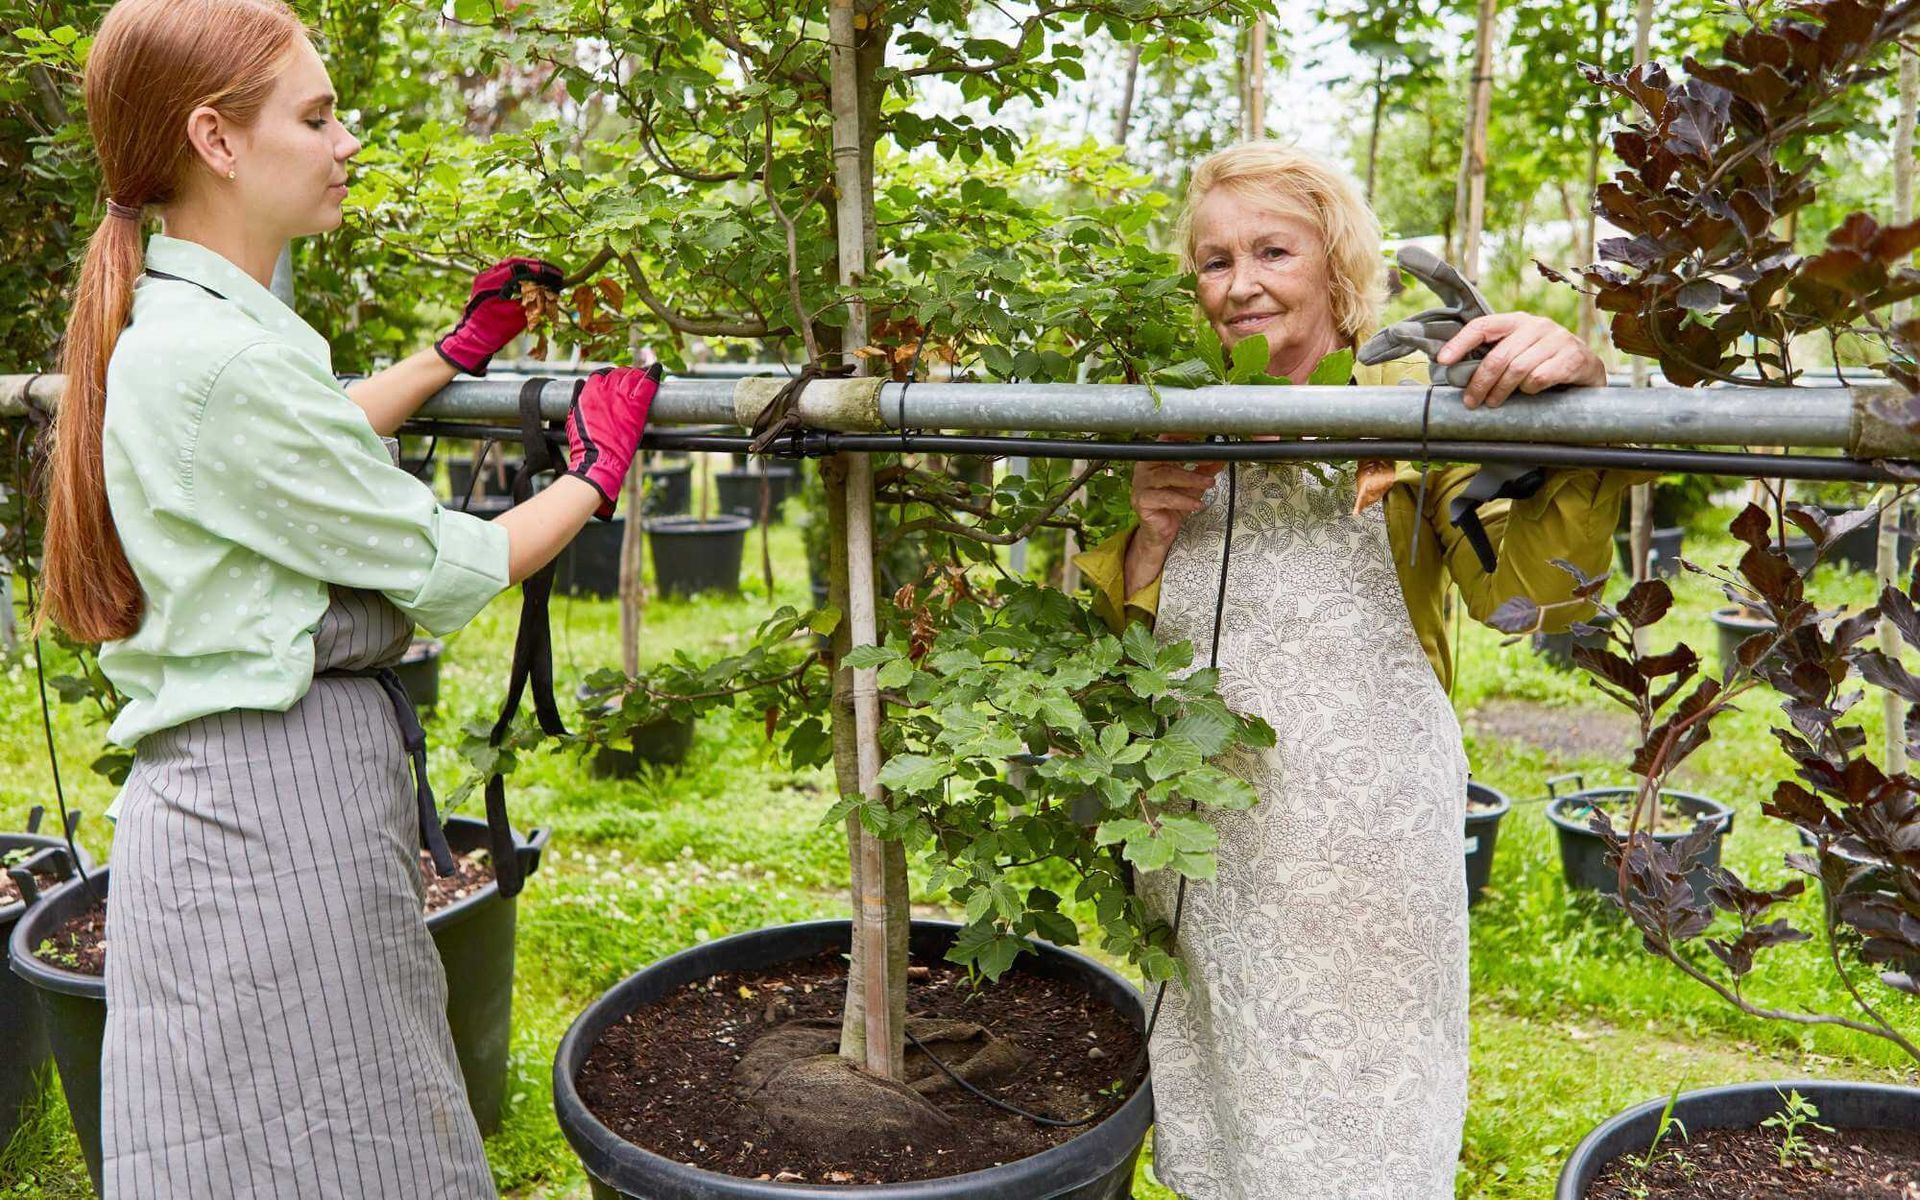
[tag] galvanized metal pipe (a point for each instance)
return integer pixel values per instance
(1803, 418)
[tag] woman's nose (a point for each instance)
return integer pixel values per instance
(1244, 282)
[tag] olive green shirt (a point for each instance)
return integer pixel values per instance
(243, 482)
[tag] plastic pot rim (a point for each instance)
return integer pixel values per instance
(530, 848)
(686, 526)
(45, 975)
(36, 842)
(1487, 791)
(1716, 811)
(1570, 1187)
(589, 1136)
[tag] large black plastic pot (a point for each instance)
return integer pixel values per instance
(24, 1050)
(1096, 1165)
(590, 563)
(740, 491)
(664, 742)
(1843, 1105)
(1557, 648)
(670, 489)
(1860, 550)
(475, 938)
(691, 556)
(420, 671)
(1583, 853)
(496, 478)
(1732, 626)
(1663, 552)
(1483, 829)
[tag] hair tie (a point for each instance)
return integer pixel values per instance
(123, 212)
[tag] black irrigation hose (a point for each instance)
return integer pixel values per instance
(1731, 463)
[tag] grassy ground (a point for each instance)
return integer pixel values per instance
(1572, 1021)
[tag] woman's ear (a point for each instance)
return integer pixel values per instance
(211, 138)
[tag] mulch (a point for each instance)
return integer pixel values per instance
(80, 944)
(662, 1077)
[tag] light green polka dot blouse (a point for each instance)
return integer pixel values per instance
(243, 481)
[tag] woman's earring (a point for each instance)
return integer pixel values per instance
(231, 174)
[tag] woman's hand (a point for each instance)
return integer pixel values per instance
(1163, 494)
(1530, 354)
(604, 424)
(495, 315)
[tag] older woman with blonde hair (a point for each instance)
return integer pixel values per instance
(1319, 1045)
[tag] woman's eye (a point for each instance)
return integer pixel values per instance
(320, 123)
(1273, 253)
(1214, 264)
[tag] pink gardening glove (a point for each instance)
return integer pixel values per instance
(494, 315)
(604, 425)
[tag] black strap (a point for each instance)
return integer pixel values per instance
(778, 417)
(532, 645)
(180, 279)
(1493, 481)
(433, 835)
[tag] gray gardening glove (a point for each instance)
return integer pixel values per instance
(1432, 328)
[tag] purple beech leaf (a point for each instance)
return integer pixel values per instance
(1898, 608)
(1518, 614)
(1753, 527)
(1646, 602)
(1611, 667)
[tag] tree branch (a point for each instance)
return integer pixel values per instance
(702, 326)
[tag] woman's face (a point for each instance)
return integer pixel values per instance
(1263, 272)
(291, 164)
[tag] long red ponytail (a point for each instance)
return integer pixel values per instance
(152, 63)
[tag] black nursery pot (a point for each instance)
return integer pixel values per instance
(1843, 1105)
(24, 1050)
(740, 491)
(691, 556)
(496, 477)
(474, 936)
(1583, 853)
(1557, 648)
(590, 564)
(1860, 550)
(1097, 1165)
(420, 671)
(670, 491)
(1483, 828)
(664, 742)
(1664, 556)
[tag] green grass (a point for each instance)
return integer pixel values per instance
(1572, 1021)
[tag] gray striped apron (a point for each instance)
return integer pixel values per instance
(276, 1011)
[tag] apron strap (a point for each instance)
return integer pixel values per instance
(433, 835)
(532, 646)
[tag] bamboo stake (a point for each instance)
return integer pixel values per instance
(1892, 516)
(1256, 97)
(1640, 521)
(1472, 204)
(883, 1042)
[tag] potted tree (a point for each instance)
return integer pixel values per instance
(1713, 144)
(59, 950)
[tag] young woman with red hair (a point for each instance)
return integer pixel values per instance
(224, 519)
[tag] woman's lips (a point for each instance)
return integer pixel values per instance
(1251, 322)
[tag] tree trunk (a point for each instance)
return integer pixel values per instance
(1373, 132)
(1470, 205)
(876, 991)
(1891, 517)
(1124, 120)
(1254, 114)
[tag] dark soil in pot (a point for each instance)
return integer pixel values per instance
(1583, 853)
(740, 491)
(691, 556)
(1727, 1154)
(1485, 807)
(25, 1055)
(419, 671)
(590, 563)
(472, 927)
(1663, 552)
(713, 1074)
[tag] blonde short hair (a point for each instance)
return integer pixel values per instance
(1286, 179)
